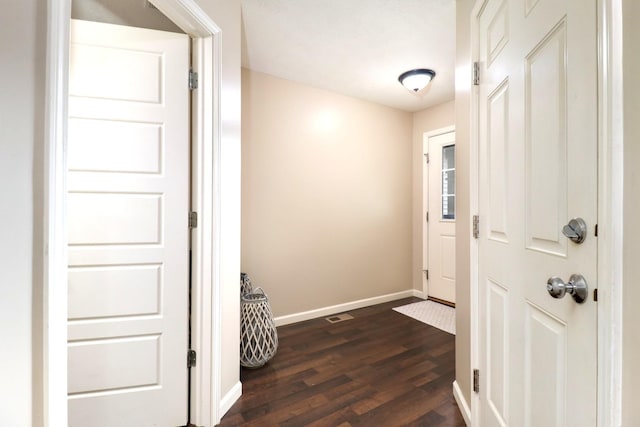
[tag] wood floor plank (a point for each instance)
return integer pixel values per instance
(380, 368)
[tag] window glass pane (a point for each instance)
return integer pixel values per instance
(448, 182)
(448, 207)
(449, 157)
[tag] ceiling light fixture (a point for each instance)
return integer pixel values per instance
(417, 79)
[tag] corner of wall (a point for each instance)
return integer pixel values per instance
(463, 404)
(463, 196)
(227, 14)
(230, 398)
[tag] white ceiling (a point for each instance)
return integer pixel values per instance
(354, 47)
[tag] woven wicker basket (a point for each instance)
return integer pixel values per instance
(245, 284)
(258, 334)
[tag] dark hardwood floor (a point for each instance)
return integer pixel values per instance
(380, 369)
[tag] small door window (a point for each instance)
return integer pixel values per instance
(449, 182)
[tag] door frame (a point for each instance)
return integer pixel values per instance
(425, 200)
(610, 212)
(206, 200)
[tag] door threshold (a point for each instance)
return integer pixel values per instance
(441, 301)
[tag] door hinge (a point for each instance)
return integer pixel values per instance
(426, 157)
(476, 380)
(426, 274)
(476, 226)
(595, 231)
(595, 294)
(193, 80)
(426, 216)
(191, 358)
(476, 73)
(193, 219)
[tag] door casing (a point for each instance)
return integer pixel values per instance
(206, 200)
(610, 204)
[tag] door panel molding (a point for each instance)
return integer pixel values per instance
(206, 199)
(498, 111)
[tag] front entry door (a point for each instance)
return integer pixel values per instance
(127, 211)
(537, 130)
(440, 216)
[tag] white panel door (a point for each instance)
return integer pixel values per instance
(127, 207)
(441, 218)
(537, 166)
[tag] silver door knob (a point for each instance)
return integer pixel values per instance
(576, 230)
(576, 287)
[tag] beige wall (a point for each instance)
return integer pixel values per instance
(463, 212)
(433, 118)
(22, 79)
(21, 101)
(631, 224)
(326, 195)
(226, 14)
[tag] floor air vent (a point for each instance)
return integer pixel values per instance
(339, 318)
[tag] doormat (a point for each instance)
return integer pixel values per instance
(432, 313)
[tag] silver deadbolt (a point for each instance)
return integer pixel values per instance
(577, 287)
(576, 230)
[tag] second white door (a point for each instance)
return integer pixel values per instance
(128, 187)
(440, 216)
(537, 147)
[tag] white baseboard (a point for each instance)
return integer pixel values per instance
(340, 308)
(230, 398)
(465, 410)
(419, 294)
